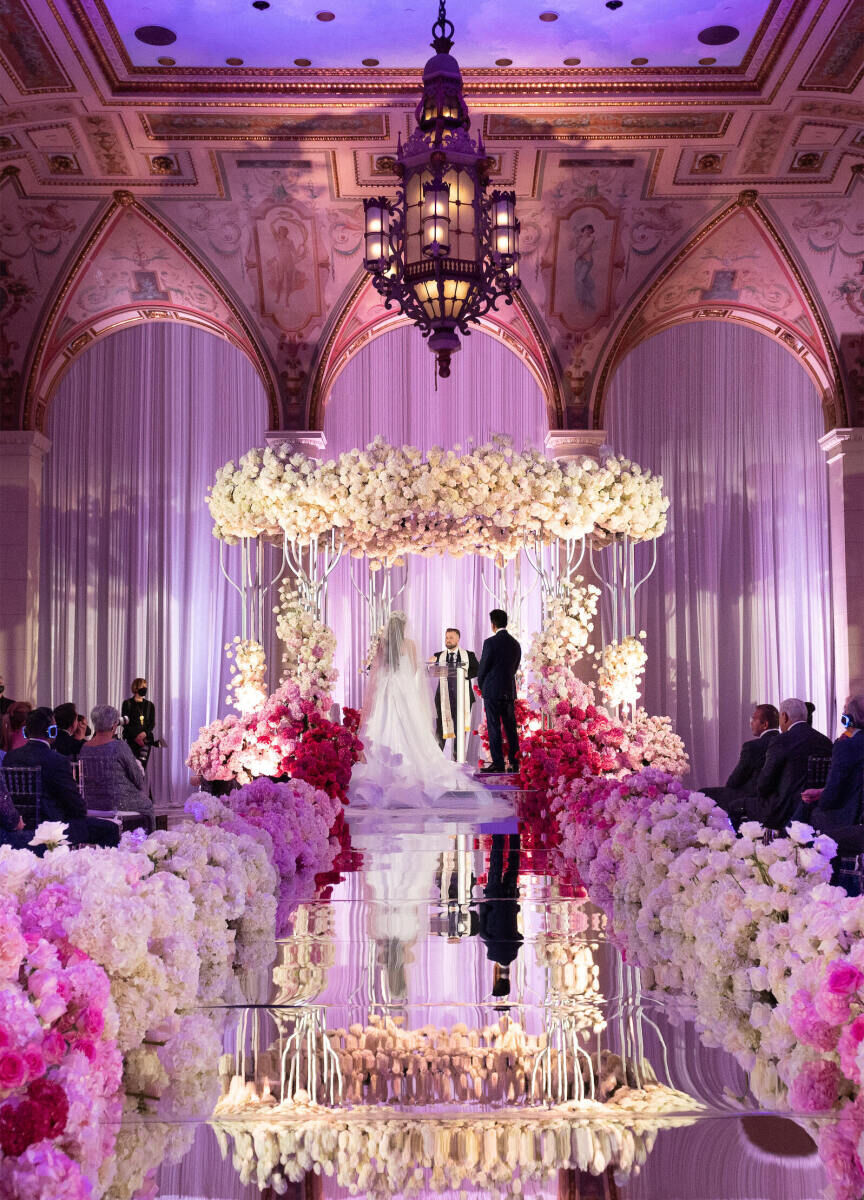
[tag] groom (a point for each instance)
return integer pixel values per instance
(496, 677)
(445, 695)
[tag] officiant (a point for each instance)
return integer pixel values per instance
(446, 696)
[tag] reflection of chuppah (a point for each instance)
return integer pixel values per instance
(446, 697)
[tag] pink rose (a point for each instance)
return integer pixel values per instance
(13, 947)
(805, 1023)
(13, 1070)
(91, 1022)
(832, 1000)
(847, 1047)
(815, 1087)
(54, 1047)
(35, 1061)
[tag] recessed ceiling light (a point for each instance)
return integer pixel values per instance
(325, 16)
(613, 4)
(503, 62)
(638, 62)
(707, 62)
(302, 62)
(261, 5)
(718, 35)
(155, 35)
(234, 62)
(371, 62)
(165, 61)
(572, 62)
(549, 16)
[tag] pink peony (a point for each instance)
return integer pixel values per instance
(832, 1000)
(13, 947)
(35, 1061)
(807, 1025)
(815, 1088)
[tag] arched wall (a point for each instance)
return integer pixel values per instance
(738, 611)
(130, 580)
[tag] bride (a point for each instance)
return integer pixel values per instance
(404, 766)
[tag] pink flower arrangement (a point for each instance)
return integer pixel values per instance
(55, 1051)
(325, 756)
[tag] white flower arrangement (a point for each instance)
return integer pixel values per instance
(622, 666)
(388, 501)
(247, 688)
(309, 646)
(560, 644)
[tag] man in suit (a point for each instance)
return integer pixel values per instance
(741, 783)
(499, 915)
(496, 677)
(67, 742)
(783, 776)
(446, 696)
(61, 799)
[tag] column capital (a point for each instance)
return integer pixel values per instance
(23, 441)
(843, 443)
(303, 441)
(565, 444)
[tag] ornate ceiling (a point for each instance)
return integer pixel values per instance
(230, 195)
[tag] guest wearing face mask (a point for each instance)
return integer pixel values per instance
(140, 714)
(839, 804)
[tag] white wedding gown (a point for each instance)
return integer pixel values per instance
(404, 765)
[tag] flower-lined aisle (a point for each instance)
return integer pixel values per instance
(106, 959)
(747, 939)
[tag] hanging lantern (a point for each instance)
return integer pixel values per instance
(443, 251)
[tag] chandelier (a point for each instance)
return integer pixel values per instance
(444, 251)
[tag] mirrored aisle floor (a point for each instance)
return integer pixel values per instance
(451, 1019)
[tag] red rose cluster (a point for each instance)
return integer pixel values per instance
(582, 743)
(351, 719)
(325, 756)
(42, 1113)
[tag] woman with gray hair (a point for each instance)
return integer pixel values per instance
(838, 805)
(112, 778)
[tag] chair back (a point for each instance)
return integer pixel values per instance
(77, 773)
(24, 786)
(96, 778)
(818, 766)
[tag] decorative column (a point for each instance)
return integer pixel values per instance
(844, 452)
(21, 456)
(566, 444)
(304, 441)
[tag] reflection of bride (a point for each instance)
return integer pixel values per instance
(404, 766)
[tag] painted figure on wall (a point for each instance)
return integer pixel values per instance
(583, 243)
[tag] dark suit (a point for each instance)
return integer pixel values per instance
(141, 715)
(496, 675)
(61, 799)
(65, 744)
(840, 803)
(441, 657)
(742, 781)
(784, 775)
(499, 915)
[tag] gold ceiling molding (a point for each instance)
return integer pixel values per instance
(36, 403)
(629, 335)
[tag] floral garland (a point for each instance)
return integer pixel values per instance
(560, 644)
(388, 501)
(309, 645)
(622, 666)
(247, 687)
(749, 937)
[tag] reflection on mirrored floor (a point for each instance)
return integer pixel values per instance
(448, 1018)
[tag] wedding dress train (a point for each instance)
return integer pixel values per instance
(404, 765)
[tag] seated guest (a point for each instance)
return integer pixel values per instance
(60, 798)
(67, 741)
(839, 804)
(13, 736)
(784, 773)
(122, 787)
(6, 702)
(742, 782)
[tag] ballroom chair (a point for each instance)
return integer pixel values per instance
(818, 766)
(24, 785)
(94, 776)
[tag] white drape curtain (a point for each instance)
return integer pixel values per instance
(739, 609)
(130, 570)
(389, 389)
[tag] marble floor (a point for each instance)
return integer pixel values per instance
(458, 1022)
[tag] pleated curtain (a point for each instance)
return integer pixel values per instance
(130, 570)
(738, 611)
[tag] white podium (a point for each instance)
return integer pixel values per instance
(439, 672)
